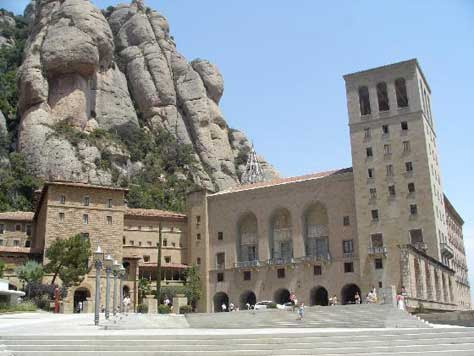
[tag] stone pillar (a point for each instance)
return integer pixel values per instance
(150, 301)
(178, 301)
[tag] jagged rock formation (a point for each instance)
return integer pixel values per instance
(78, 69)
(6, 21)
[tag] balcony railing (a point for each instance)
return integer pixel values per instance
(220, 265)
(245, 264)
(348, 254)
(315, 258)
(280, 261)
(446, 250)
(377, 250)
(422, 246)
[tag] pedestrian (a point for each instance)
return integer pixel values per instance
(231, 307)
(401, 301)
(126, 303)
(301, 311)
(248, 306)
(224, 307)
(357, 298)
(166, 301)
(334, 300)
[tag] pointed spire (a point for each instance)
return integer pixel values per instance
(253, 171)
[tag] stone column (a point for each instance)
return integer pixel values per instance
(178, 301)
(151, 302)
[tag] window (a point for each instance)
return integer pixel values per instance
(413, 209)
(411, 187)
(87, 201)
(109, 203)
(404, 125)
(387, 149)
(62, 199)
(123, 241)
(28, 243)
(364, 101)
(380, 284)
(348, 246)
(220, 277)
(148, 243)
(165, 242)
(1, 242)
(373, 193)
(131, 242)
(375, 214)
(85, 219)
(198, 236)
(377, 240)
(408, 166)
(247, 275)
(385, 129)
(139, 243)
(348, 267)
(109, 220)
(346, 221)
(406, 146)
(416, 236)
(18, 227)
(401, 93)
(382, 96)
(391, 190)
(167, 259)
(317, 270)
(220, 259)
(220, 235)
(28, 230)
(370, 173)
(16, 243)
(378, 263)
(367, 133)
(2, 229)
(198, 219)
(146, 258)
(369, 152)
(389, 169)
(281, 273)
(198, 260)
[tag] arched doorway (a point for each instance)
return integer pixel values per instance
(348, 292)
(318, 296)
(126, 291)
(80, 296)
(282, 296)
(247, 297)
(220, 299)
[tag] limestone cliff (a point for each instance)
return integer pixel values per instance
(119, 71)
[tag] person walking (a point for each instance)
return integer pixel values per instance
(301, 311)
(357, 298)
(224, 307)
(126, 303)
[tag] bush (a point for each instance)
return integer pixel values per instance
(27, 306)
(164, 309)
(142, 308)
(37, 290)
(272, 306)
(42, 302)
(185, 309)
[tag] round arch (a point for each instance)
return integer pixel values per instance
(247, 241)
(247, 297)
(281, 245)
(319, 296)
(316, 229)
(80, 296)
(219, 299)
(348, 292)
(281, 296)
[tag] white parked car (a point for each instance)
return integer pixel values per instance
(285, 306)
(262, 305)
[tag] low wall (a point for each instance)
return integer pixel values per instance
(461, 318)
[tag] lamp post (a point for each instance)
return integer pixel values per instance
(122, 276)
(108, 268)
(98, 256)
(115, 270)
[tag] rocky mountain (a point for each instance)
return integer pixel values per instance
(94, 85)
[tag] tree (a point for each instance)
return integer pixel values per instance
(2, 268)
(68, 259)
(193, 290)
(144, 288)
(30, 272)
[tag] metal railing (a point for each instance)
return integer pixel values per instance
(377, 250)
(220, 265)
(280, 261)
(446, 249)
(244, 264)
(315, 258)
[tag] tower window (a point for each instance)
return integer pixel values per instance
(364, 100)
(346, 221)
(62, 199)
(382, 96)
(198, 220)
(401, 92)
(18, 227)
(348, 267)
(146, 258)
(109, 203)
(168, 259)
(61, 217)
(369, 151)
(85, 219)
(389, 169)
(87, 201)
(375, 215)
(247, 275)
(220, 235)
(2, 229)
(370, 173)
(411, 187)
(404, 125)
(406, 146)
(198, 260)
(220, 277)
(387, 149)
(408, 166)
(198, 237)
(373, 193)
(391, 190)
(109, 220)
(348, 246)
(317, 270)
(385, 130)
(378, 263)
(281, 273)
(413, 209)
(367, 133)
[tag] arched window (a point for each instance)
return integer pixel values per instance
(401, 92)
(316, 231)
(364, 100)
(382, 96)
(282, 247)
(248, 241)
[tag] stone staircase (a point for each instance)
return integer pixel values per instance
(376, 342)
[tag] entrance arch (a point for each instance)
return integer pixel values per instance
(219, 299)
(247, 297)
(126, 291)
(281, 296)
(80, 296)
(348, 292)
(319, 296)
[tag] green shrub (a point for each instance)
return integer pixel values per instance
(272, 306)
(164, 309)
(185, 309)
(26, 306)
(42, 302)
(142, 308)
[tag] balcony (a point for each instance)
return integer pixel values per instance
(220, 265)
(422, 246)
(280, 261)
(446, 250)
(315, 258)
(348, 254)
(246, 264)
(373, 251)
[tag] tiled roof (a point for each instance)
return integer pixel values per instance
(154, 213)
(85, 185)
(17, 215)
(163, 265)
(15, 249)
(281, 181)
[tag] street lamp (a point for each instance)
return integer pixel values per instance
(115, 270)
(98, 256)
(122, 276)
(108, 268)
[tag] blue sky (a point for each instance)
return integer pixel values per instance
(283, 66)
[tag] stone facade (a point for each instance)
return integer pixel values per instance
(16, 229)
